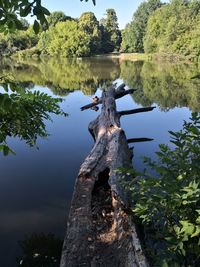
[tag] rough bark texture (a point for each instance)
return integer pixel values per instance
(119, 93)
(99, 230)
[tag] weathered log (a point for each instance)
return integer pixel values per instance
(118, 94)
(134, 111)
(100, 233)
(137, 140)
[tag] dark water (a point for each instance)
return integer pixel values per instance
(36, 185)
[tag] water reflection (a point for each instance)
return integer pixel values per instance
(65, 75)
(167, 85)
(40, 250)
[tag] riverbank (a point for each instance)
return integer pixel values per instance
(173, 58)
(167, 57)
(34, 53)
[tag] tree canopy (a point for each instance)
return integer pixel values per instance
(174, 28)
(65, 36)
(89, 24)
(111, 35)
(164, 28)
(135, 31)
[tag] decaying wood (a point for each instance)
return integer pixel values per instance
(141, 139)
(118, 94)
(134, 111)
(99, 230)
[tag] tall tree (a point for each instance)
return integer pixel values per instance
(57, 16)
(111, 35)
(174, 28)
(90, 25)
(134, 33)
(65, 39)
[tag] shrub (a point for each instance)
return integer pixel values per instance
(168, 203)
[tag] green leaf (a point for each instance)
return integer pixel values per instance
(5, 86)
(5, 150)
(24, 12)
(36, 26)
(45, 11)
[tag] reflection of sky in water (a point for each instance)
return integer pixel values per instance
(36, 185)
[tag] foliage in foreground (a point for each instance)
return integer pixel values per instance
(12, 10)
(23, 114)
(168, 203)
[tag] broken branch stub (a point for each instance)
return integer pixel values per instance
(99, 231)
(118, 94)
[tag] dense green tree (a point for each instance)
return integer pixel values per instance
(57, 16)
(128, 39)
(174, 29)
(90, 25)
(18, 40)
(111, 35)
(135, 31)
(65, 39)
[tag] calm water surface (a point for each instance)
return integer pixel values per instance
(36, 185)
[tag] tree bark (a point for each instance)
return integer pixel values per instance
(118, 94)
(99, 231)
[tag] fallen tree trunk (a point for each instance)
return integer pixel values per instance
(118, 94)
(99, 230)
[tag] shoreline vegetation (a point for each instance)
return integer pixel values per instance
(157, 31)
(162, 57)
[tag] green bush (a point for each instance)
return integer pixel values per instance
(167, 202)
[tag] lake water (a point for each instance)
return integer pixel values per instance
(36, 185)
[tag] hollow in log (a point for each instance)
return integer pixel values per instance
(99, 231)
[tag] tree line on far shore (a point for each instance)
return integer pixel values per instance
(164, 28)
(65, 36)
(155, 28)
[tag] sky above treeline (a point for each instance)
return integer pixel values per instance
(74, 8)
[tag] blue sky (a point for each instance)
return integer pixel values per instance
(74, 8)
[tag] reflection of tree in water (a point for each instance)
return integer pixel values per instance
(40, 250)
(23, 113)
(168, 85)
(171, 85)
(67, 74)
(131, 74)
(57, 90)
